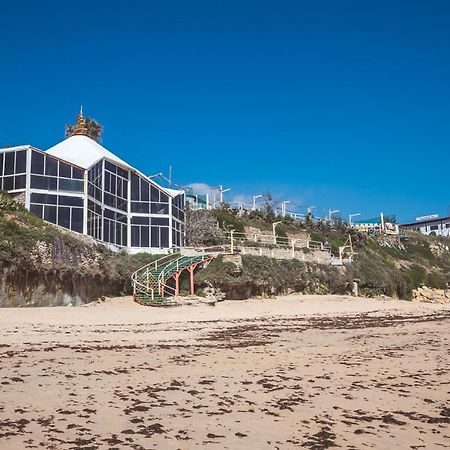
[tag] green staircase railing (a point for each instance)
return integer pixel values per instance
(150, 282)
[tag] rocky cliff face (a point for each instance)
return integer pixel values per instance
(61, 273)
(41, 265)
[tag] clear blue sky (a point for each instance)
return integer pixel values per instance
(340, 104)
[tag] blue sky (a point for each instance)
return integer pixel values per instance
(339, 104)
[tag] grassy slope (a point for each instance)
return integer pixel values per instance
(71, 264)
(393, 270)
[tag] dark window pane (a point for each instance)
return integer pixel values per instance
(47, 183)
(164, 198)
(9, 163)
(165, 237)
(50, 213)
(107, 181)
(70, 201)
(21, 161)
(155, 236)
(138, 207)
(77, 219)
(113, 187)
(119, 187)
(65, 170)
(124, 236)
(160, 221)
(135, 237)
(122, 173)
(1, 164)
(155, 194)
(8, 183)
(77, 173)
(144, 191)
(134, 187)
(37, 163)
(145, 236)
(110, 167)
(37, 210)
(118, 240)
(64, 217)
(71, 185)
(109, 214)
(38, 182)
(52, 183)
(43, 198)
(20, 182)
(51, 166)
(122, 204)
(160, 208)
(140, 220)
(106, 235)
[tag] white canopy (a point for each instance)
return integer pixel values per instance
(84, 152)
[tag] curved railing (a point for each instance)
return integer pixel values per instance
(150, 281)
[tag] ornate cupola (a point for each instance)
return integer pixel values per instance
(80, 127)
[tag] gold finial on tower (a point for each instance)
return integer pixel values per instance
(80, 127)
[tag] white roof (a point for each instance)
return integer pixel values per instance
(84, 152)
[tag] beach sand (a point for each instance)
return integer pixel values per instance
(295, 371)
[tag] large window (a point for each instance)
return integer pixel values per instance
(116, 187)
(94, 224)
(178, 207)
(13, 165)
(147, 198)
(50, 174)
(63, 210)
(149, 232)
(95, 179)
(177, 233)
(114, 227)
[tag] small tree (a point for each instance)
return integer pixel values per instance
(268, 207)
(201, 228)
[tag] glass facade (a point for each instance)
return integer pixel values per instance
(150, 232)
(115, 227)
(13, 168)
(146, 198)
(178, 220)
(119, 206)
(50, 174)
(63, 210)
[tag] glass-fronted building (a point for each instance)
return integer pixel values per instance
(81, 186)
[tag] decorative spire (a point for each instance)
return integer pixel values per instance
(80, 127)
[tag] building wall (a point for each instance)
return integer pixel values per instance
(439, 227)
(112, 204)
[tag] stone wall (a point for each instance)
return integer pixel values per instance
(313, 256)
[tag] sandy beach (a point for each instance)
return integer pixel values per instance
(296, 371)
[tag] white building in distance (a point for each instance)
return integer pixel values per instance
(83, 187)
(432, 225)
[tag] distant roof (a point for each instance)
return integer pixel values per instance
(84, 152)
(422, 222)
